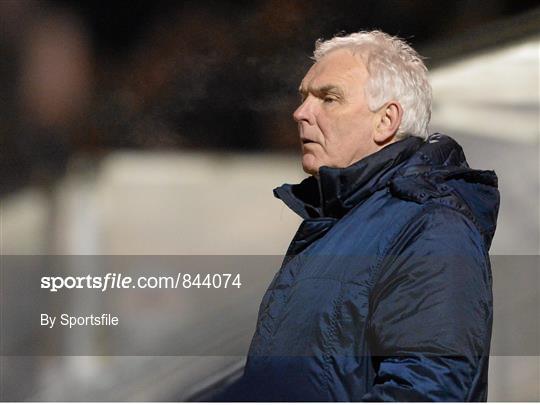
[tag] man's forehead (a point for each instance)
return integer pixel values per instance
(338, 67)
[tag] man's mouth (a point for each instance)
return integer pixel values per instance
(306, 141)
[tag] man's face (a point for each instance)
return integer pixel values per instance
(335, 124)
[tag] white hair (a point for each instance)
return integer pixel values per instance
(396, 72)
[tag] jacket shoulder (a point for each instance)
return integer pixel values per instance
(443, 228)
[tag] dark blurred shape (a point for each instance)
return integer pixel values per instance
(50, 101)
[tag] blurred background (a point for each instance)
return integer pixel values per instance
(161, 128)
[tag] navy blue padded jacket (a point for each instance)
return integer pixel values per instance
(385, 290)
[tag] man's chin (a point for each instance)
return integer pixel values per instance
(309, 165)
(314, 171)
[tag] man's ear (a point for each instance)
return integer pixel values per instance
(387, 122)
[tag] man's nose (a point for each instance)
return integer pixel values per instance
(304, 112)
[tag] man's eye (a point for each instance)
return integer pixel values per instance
(329, 99)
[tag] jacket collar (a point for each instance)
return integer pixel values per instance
(336, 191)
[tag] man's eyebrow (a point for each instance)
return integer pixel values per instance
(328, 88)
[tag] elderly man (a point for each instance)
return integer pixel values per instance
(385, 291)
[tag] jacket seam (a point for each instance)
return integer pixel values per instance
(273, 322)
(331, 337)
(376, 266)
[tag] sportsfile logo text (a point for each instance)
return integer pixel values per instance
(119, 281)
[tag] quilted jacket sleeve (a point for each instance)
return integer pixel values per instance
(431, 312)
